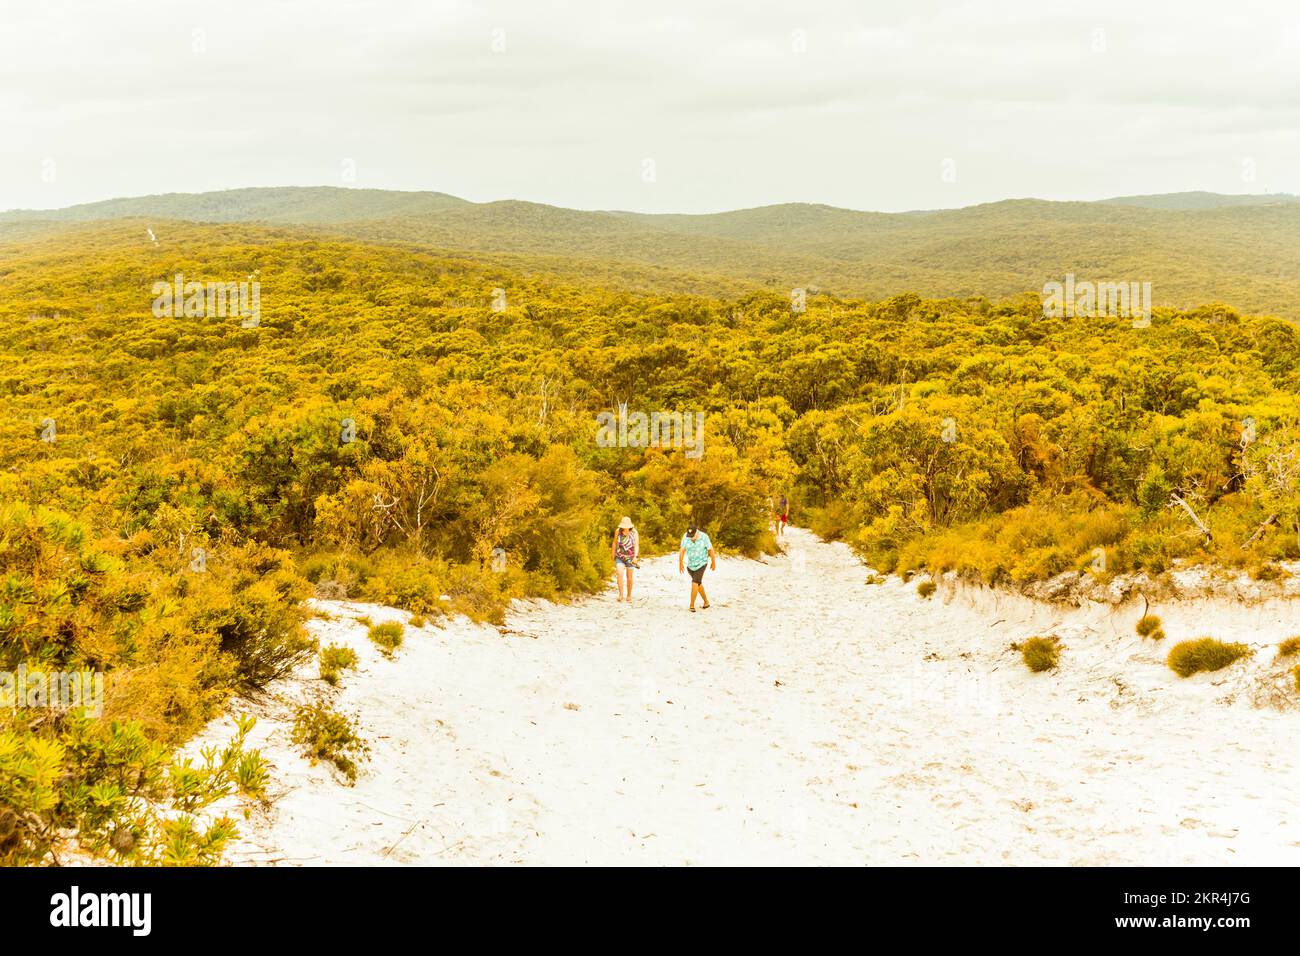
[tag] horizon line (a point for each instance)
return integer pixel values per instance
(632, 212)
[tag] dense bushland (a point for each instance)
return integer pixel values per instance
(171, 489)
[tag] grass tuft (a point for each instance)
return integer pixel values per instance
(1205, 654)
(1149, 626)
(387, 636)
(1040, 653)
(334, 659)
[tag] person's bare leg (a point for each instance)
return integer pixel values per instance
(619, 572)
(694, 587)
(628, 572)
(703, 595)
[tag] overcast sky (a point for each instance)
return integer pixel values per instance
(656, 105)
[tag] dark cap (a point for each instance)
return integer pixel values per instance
(690, 532)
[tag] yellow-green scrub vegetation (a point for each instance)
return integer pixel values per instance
(926, 588)
(1149, 625)
(173, 488)
(1288, 647)
(1205, 654)
(334, 659)
(325, 734)
(387, 637)
(1040, 653)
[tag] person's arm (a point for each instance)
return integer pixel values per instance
(713, 558)
(681, 560)
(613, 549)
(636, 546)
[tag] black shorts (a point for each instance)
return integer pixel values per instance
(697, 574)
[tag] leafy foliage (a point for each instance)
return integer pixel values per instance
(387, 636)
(326, 734)
(335, 659)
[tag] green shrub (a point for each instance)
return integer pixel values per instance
(1206, 654)
(1149, 626)
(122, 794)
(926, 588)
(334, 659)
(1266, 571)
(252, 605)
(387, 637)
(251, 774)
(1288, 647)
(1040, 653)
(326, 734)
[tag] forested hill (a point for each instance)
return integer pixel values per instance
(1193, 248)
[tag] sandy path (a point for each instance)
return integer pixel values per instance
(805, 718)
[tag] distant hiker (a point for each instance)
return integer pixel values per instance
(627, 556)
(697, 552)
(783, 513)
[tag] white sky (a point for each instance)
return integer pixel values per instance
(112, 98)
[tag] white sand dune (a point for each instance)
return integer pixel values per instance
(805, 718)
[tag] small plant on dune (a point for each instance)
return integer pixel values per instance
(326, 734)
(1267, 571)
(1148, 625)
(1205, 654)
(363, 620)
(183, 844)
(1040, 653)
(875, 579)
(1289, 647)
(250, 774)
(417, 621)
(1295, 673)
(334, 659)
(926, 588)
(387, 636)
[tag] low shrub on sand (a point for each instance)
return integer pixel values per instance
(1040, 653)
(926, 588)
(387, 636)
(1149, 626)
(1205, 654)
(334, 659)
(326, 734)
(1289, 647)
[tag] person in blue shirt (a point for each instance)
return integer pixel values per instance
(696, 553)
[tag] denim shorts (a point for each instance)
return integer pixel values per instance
(623, 563)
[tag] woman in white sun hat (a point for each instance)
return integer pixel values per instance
(627, 554)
